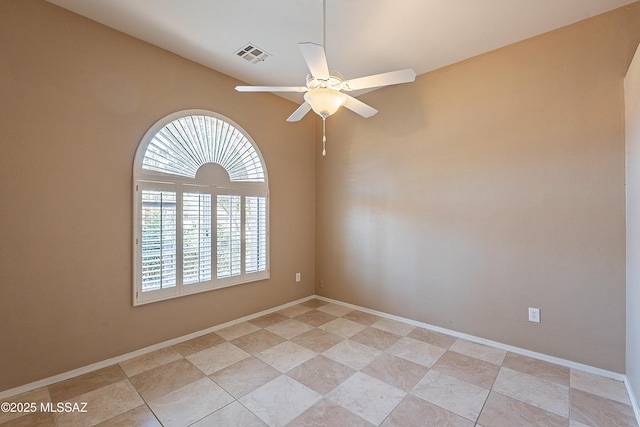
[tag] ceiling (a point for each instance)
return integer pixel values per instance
(363, 37)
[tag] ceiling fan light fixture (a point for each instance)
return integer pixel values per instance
(324, 101)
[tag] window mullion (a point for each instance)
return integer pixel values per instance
(243, 234)
(179, 239)
(214, 236)
(199, 240)
(162, 219)
(213, 264)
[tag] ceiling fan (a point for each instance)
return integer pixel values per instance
(325, 90)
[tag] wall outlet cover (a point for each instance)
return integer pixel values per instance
(534, 315)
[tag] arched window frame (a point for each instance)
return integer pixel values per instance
(247, 194)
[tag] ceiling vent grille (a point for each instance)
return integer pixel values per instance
(252, 53)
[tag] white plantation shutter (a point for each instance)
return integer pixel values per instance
(196, 238)
(185, 144)
(255, 234)
(229, 229)
(158, 240)
(197, 232)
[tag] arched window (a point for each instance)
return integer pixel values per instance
(201, 204)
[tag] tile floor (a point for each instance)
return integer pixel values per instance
(321, 364)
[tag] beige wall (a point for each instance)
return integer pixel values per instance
(487, 187)
(75, 99)
(632, 102)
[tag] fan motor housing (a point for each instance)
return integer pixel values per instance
(333, 82)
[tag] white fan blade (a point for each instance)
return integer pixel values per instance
(315, 59)
(271, 88)
(384, 79)
(359, 107)
(300, 112)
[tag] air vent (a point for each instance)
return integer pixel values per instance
(252, 53)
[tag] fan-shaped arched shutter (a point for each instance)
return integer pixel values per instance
(185, 144)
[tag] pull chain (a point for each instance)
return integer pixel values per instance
(324, 137)
(324, 44)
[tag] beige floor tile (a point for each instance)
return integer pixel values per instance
(37, 396)
(289, 328)
(366, 319)
(500, 411)
(245, 376)
(537, 368)
(295, 310)
(469, 369)
(367, 397)
(457, 396)
(218, 357)
(327, 413)
(394, 326)
(139, 417)
(232, 415)
(432, 337)
(335, 309)
(415, 412)
(600, 386)
(35, 419)
(314, 303)
(148, 361)
(317, 340)
(195, 345)
(342, 327)
(190, 403)
(65, 390)
(598, 411)
(321, 374)
(479, 351)
(315, 318)
(268, 319)
(574, 423)
(285, 356)
(376, 338)
(257, 341)
(544, 394)
(101, 405)
(235, 331)
(416, 351)
(352, 354)
(280, 400)
(395, 371)
(159, 381)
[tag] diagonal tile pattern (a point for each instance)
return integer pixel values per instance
(217, 357)
(367, 397)
(544, 394)
(469, 369)
(280, 401)
(458, 396)
(323, 364)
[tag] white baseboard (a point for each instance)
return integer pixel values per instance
(108, 362)
(632, 397)
(472, 338)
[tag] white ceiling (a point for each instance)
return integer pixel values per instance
(362, 36)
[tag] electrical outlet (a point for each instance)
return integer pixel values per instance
(534, 315)
(297, 277)
(321, 284)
